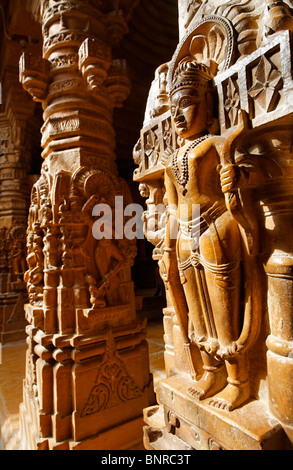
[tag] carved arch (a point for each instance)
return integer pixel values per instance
(215, 41)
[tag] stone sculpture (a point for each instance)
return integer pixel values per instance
(218, 157)
(206, 257)
(15, 157)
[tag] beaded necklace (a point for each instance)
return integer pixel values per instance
(182, 177)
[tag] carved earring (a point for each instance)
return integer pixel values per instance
(213, 126)
(180, 141)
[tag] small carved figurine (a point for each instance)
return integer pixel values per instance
(109, 261)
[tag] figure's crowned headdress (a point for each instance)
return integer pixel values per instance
(191, 74)
(200, 56)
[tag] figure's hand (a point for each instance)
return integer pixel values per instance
(230, 177)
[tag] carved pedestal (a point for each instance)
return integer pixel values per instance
(85, 391)
(216, 152)
(87, 373)
(182, 423)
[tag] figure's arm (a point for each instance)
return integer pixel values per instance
(172, 220)
(244, 173)
(169, 266)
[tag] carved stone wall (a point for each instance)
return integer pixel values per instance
(214, 160)
(87, 373)
(17, 142)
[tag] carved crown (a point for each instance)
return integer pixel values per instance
(190, 73)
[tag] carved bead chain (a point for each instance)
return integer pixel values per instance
(182, 176)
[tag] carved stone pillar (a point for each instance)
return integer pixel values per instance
(15, 166)
(222, 143)
(87, 376)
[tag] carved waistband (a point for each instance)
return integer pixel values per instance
(196, 227)
(196, 260)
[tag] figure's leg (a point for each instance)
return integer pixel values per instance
(224, 282)
(213, 380)
(226, 306)
(224, 289)
(214, 374)
(237, 391)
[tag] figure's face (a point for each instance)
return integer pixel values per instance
(188, 113)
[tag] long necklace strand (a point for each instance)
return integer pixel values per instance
(183, 176)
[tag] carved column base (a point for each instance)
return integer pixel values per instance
(183, 423)
(128, 436)
(280, 389)
(85, 390)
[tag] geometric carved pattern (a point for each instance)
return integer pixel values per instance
(268, 83)
(113, 385)
(232, 101)
(152, 148)
(261, 82)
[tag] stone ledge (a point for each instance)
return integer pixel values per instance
(201, 426)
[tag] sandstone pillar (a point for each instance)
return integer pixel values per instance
(218, 137)
(87, 377)
(15, 166)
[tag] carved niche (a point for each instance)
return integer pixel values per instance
(215, 164)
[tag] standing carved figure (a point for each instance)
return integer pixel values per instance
(204, 265)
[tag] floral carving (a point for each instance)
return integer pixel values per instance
(268, 83)
(152, 148)
(232, 101)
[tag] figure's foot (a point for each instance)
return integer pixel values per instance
(212, 381)
(233, 396)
